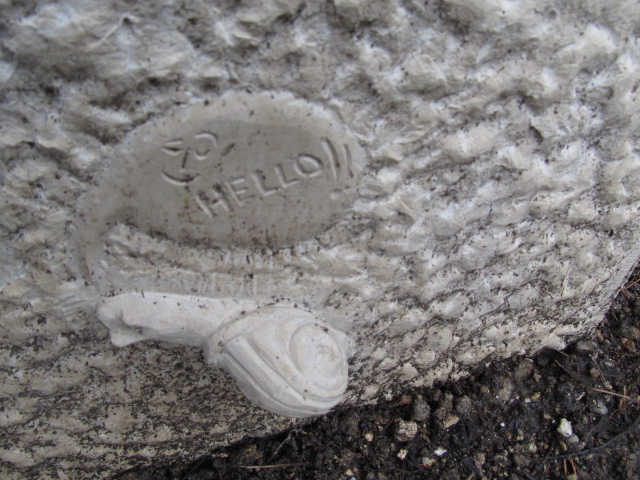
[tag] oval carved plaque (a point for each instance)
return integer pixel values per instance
(247, 169)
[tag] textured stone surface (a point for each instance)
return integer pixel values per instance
(497, 214)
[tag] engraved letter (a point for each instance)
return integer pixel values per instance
(203, 144)
(260, 180)
(308, 166)
(208, 205)
(282, 176)
(241, 190)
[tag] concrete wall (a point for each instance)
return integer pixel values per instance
(497, 214)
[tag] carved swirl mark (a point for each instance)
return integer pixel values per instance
(333, 156)
(337, 168)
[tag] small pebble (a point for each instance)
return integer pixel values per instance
(501, 460)
(573, 439)
(464, 405)
(629, 345)
(402, 454)
(368, 437)
(634, 333)
(521, 460)
(406, 430)
(504, 388)
(420, 410)
(600, 407)
(565, 428)
(450, 421)
(428, 462)
(440, 451)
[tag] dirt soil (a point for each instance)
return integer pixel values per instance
(565, 415)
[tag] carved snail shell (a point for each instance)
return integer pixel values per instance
(284, 360)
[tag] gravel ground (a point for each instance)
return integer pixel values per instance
(572, 414)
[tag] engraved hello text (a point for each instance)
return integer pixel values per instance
(185, 158)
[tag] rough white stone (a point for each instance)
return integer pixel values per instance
(564, 428)
(497, 213)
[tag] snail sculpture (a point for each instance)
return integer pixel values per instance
(282, 358)
(245, 174)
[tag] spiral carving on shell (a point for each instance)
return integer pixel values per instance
(284, 360)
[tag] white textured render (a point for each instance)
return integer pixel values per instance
(497, 213)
